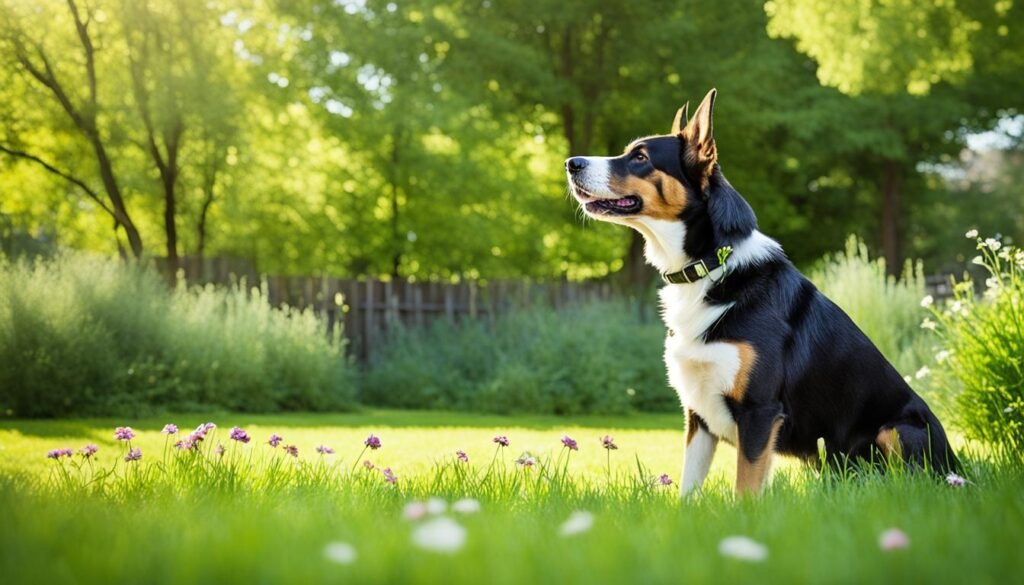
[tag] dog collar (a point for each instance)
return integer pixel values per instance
(703, 268)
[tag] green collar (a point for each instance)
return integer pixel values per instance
(700, 269)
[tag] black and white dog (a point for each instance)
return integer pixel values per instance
(759, 357)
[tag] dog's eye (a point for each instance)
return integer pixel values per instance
(639, 156)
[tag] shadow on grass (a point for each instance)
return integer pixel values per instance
(376, 419)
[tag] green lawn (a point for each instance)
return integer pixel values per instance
(256, 515)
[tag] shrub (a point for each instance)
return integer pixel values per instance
(985, 346)
(86, 336)
(596, 358)
(887, 309)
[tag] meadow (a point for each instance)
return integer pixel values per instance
(257, 514)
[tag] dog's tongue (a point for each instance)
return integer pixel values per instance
(624, 202)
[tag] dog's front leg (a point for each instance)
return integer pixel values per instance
(700, 450)
(758, 431)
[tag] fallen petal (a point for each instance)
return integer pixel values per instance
(578, 523)
(742, 548)
(466, 506)
(893, 539)
(441, 535)
(342, 553)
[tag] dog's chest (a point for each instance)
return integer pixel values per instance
(701, 373)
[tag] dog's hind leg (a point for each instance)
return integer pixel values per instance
(700, 450)
(758, 432)
(918, 439)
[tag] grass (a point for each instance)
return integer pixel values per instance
(198, 526)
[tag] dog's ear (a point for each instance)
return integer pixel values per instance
(698, 132)
(681, 117)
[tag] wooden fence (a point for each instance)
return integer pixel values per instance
(369, 308)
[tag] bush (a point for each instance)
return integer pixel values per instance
(985, 347)
(596, 358)
(887, 309)
(85, 336)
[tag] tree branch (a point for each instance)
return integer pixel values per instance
(62, 174)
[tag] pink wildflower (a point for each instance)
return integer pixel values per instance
(570, 443)
(526, 460)
(275, 440)
(124, 433)
(220, 450)
(239, 434)
(170, 429)
(893, 539)
(955, 480)
(369, 465)
(89, 450)
(665, 479)
(389, 476)
(324, 450)
(291, 450)
(462, 456)
(608, 443)
(502, 440)
(372, 442)
(58, 453)
(133, 454)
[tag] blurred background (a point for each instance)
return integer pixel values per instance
(395, 169)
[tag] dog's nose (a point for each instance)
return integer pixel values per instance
(576, 164)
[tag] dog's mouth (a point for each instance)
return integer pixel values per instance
(628, 205)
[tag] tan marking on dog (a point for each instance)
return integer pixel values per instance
(748, 359)
(646, 189)
(691, 426)
(752, 476)
(888, 440)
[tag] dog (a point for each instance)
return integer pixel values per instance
(759, 357)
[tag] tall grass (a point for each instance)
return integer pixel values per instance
(81, 335)
(984, 340)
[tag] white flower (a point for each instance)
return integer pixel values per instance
(1008, 409)
(907, 379)
(436, 506)
(414, 511)
(971, 234)
(578, 523)
(993, 244)
(991, 282)
(955, 480)
(928, 324)
(466, 506)
(342, 553)
(942, 356)
(978, 260)
(441, 535)
(742, 548)
(927, 301)
(893, 539)
(922, 373)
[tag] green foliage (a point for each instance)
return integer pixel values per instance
(80, 335)
(885, 308)
(984, 340)
(592, 359)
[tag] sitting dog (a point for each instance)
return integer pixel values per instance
(759, 357)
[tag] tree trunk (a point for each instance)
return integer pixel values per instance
(396, 238)
(170, 209)
(114, 192)
(892, 217)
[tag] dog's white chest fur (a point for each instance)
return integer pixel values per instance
(701, 373)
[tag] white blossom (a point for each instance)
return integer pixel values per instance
(342, 553)
(742, 548)
(923, 373)
(441, 535)
(578, 523)
(993, 244)
(971, 234)
(928, 324)
(927, 301)
(942, 356)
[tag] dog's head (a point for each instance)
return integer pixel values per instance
(669, 188)
(656, 177)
